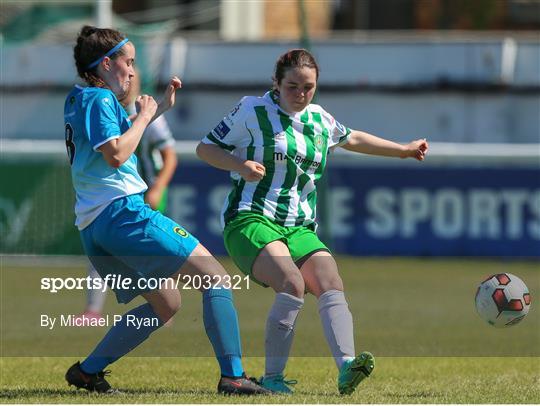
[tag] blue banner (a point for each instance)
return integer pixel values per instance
(394, 210)
(436, 211)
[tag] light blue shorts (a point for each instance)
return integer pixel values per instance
(130, 240)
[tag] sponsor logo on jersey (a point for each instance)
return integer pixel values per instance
(298, 160)
(106, 101)
(279, 156)
(180, 231)
(221, 130)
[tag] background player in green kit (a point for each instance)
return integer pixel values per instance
(276, 147)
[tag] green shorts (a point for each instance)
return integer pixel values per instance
(248, 233)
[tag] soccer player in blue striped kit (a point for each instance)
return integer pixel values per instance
(120, 233)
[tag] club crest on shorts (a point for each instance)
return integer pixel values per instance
(180, 231)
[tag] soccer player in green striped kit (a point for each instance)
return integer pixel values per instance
(276, 148)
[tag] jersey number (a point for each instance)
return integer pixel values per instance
(70, 145)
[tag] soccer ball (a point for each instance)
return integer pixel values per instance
(503, 300)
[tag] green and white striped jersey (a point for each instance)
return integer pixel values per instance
(293, 149)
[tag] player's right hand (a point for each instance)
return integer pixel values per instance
(252, 171)
(146, 106)
(170, 91)
(417, 149)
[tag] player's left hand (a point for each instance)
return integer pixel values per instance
(417, 149)
(170, 92)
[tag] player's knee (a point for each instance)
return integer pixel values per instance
(293, 284)
(325, 284)
(167, 313)
(169, 307)
(332, 283)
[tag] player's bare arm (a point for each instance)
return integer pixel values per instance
(366, 143)
(118, 150)
(168, 101)
(251, 171)
(169, 97)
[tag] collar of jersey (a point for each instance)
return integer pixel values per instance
(270, 96)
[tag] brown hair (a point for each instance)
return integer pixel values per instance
(294, 58)
(92, 44)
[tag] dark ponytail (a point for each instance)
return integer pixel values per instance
(92, 44)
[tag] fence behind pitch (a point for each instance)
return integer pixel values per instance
(465, 200)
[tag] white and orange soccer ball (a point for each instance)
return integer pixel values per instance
(503, 300)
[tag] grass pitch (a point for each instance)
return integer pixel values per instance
(416, 315)
(194, 380)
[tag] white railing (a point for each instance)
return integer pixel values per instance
(439, 151)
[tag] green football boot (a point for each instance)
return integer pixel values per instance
(354, 371)
(278, 384)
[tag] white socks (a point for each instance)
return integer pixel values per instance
(280, 332)
(336, 320)
(337, 324)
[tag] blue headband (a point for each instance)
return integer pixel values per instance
(112, 51)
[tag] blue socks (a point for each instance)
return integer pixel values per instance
(122, 338)
(221, 324)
